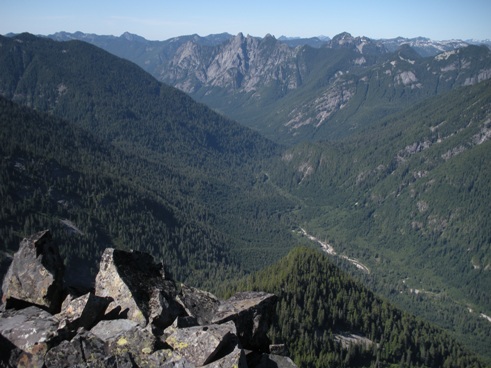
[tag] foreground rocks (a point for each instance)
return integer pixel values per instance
(136, 317)
(35, 275)
(138, 287)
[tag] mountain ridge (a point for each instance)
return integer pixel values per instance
(254, 79)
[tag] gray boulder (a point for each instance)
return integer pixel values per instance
(252, 313)
(198, 303)
(9, 353)
(201, 345)
(122, 337)
(109, 330)
(138, 287)
(30, 333)
(35, 276)
(85, 349)
(165, 358)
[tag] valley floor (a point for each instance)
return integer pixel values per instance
(329, 249)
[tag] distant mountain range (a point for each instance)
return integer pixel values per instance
(296, 89)
(424, 45)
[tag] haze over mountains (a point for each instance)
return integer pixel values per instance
(381, 151)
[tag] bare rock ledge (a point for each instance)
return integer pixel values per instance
(136, 317)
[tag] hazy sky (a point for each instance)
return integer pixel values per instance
(162, 19)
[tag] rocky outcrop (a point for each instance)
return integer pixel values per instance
(137, 317)
(251, 313)
(29, 333)
(242, 63)
(201, 345)
(35, 275)
(84, 349)
(199, 304)
(138, 287)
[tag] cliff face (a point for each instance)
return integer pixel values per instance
(248, 64)
(135, 317)
(241, 64)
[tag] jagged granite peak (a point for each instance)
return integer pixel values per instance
(361, 44)
(133, 37)
(240, 63)
(466, 66)
(343, 38)
(210, 40)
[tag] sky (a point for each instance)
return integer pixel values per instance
(162, 19)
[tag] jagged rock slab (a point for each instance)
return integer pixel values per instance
(87, 350)
(9, 353)
(123, 337)
(84, 311)
(201, 345)
(198, 303)
(35, 275)
(138, 288)
(165, 358)
(32, 331)
(107, 330)
(84, 349)
(252, 314)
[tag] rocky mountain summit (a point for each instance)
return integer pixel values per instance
(135, 315)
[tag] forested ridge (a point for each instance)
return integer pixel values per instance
(319, 305)
(409, 197)
(54, 172)
(97, 150)
(413, 180)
